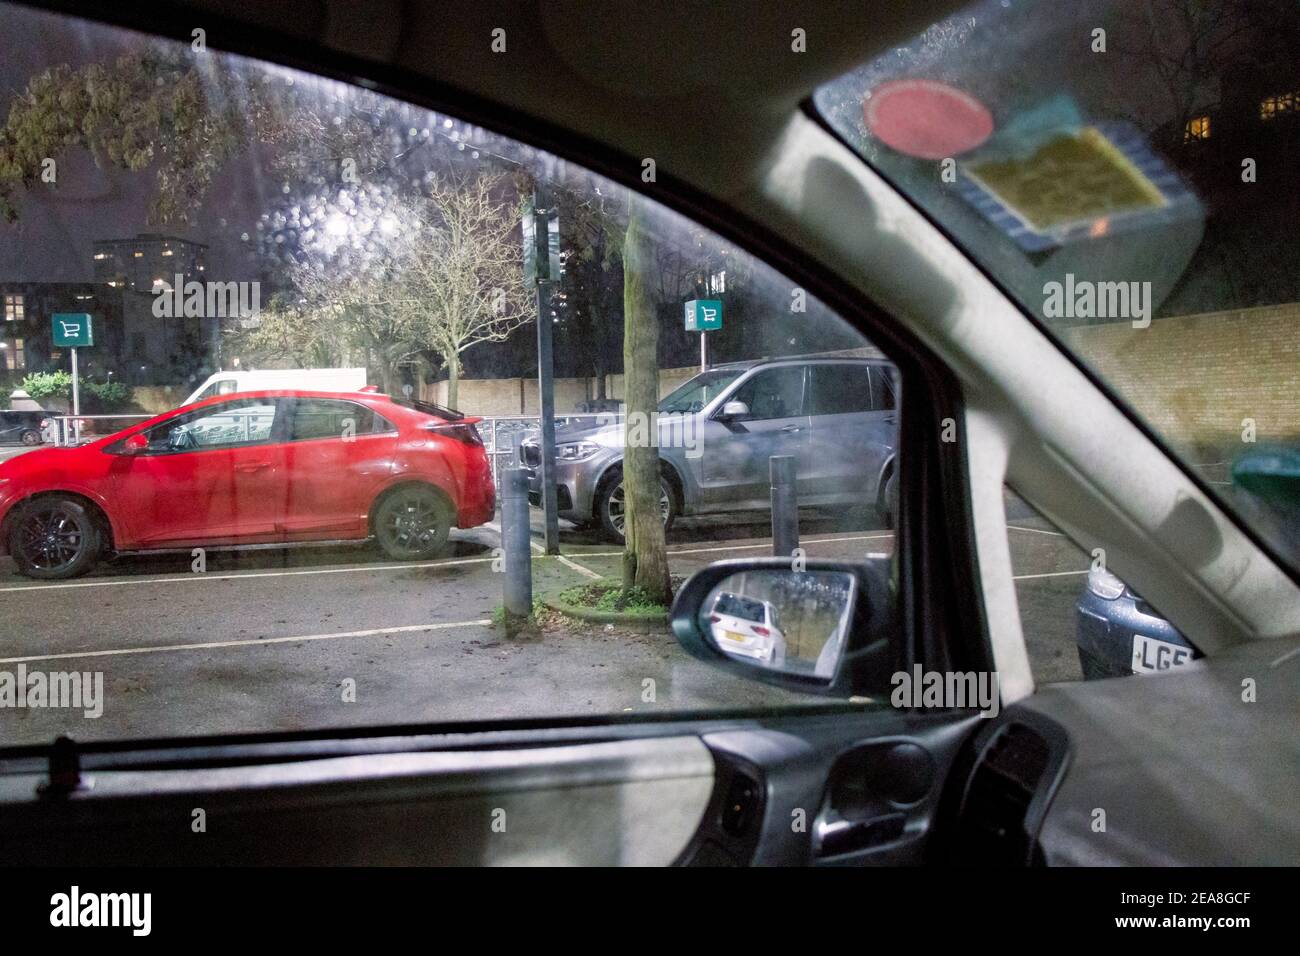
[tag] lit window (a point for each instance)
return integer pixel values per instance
(14, 311)
(139, 254)
(101, 255)
(168, 252)
(1198, 128)
(1270, 106)
(13, 355)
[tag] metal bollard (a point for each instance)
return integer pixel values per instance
(785, 506)
(516, 540)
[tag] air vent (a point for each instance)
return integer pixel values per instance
(992, 821)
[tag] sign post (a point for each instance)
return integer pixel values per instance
(73, 330)
(703, 316)
(541, 229)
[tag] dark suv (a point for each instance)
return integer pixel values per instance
(716, 432)
(23, 427)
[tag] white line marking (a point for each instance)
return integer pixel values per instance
(368, 568)
(209, 645)
(744, 547)
(1016, 527)
(1049, 574)
(578, 567)
(493, 526)
(182, 579)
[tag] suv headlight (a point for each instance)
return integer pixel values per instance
(1104, 584)
(576, 451)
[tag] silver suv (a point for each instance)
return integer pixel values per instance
(835, 416)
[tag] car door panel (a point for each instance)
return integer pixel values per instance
(332, 481)
(228, 493)
(625, 794)
(736, 454)
(851, 435)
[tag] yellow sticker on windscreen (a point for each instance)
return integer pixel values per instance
(1073, 184)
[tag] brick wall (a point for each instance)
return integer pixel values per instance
(518, 396)
(1196, 377)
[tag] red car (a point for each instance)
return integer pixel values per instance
(251, 468)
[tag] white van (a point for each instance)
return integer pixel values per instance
(318, 379)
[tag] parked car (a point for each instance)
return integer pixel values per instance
(1120, 634)
(236, 380)
(835, 416)
(256, 468)
(26, 427)
(748, 628)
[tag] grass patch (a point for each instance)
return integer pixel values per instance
(610, 596)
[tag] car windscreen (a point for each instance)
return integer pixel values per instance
(1122, 170)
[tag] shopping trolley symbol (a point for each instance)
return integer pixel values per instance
(71, 330)
(703, 315)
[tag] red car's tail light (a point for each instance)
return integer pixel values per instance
(461, 432)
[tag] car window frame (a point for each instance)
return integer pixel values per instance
(274, 437)
(290, 412)
(941, 606)
(810, 385)
(754, 373)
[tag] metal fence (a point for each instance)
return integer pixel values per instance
(74, 429)
(502, 434)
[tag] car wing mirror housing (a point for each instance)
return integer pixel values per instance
(820, 627)
(136, 444)
(733, 411)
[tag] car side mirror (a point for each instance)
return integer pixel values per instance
(136, 444)
(733, 411)
(824, 628)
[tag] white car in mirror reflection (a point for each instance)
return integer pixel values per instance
(747, 628)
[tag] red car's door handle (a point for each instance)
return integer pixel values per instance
(253, 466)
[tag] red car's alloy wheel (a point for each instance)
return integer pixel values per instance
(54, 538)
(412, 523)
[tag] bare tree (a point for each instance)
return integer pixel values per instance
(462, 275)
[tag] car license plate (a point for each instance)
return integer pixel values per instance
(735, 636)
(1152, 656)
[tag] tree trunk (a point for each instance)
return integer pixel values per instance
(453, 380)
(645, 557)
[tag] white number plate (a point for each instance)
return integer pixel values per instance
(1151, 656)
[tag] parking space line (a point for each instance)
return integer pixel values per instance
(1016, 527)
(241, 575)
(745, 547)
(210, 645)
(369, 568)
(1048, 574)
(578, 567)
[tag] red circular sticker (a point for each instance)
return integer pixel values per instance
(925, 118)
